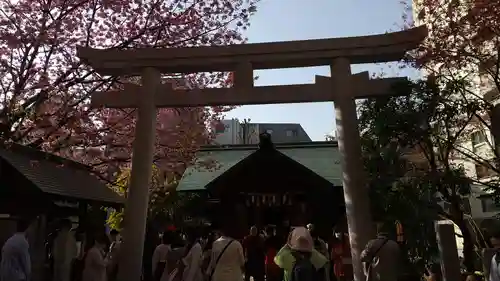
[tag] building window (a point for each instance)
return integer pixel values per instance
(484, 171)
(489, 205)
(478, 138)
(291, 133)
(269, 131)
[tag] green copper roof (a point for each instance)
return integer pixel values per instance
(323, 158)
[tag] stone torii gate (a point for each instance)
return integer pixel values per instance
(342, 88)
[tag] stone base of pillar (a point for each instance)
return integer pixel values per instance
(450, 264)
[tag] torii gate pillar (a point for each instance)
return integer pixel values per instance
(136, 207)
(343, 88)
(357, 203)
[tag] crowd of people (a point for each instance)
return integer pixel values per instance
(193, 255)
(297, 254)
(69, 254)
(261, 255)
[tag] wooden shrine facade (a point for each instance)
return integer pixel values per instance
(283, 185)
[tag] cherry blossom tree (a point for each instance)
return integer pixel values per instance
(460, 58)
(463, 47)
(179, 134)
(45, 89)
(464, 37)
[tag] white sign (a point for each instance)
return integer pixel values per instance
(268, 200)
(66, 204)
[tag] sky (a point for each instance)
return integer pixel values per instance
(285, 20)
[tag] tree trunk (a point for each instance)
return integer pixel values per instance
(468, 250)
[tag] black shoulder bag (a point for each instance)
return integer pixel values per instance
(374, 255)
(218, 259)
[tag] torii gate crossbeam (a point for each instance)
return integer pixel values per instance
(342, 88)
(321, 91)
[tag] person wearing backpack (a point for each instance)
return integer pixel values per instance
(299, 260)
(381, 258)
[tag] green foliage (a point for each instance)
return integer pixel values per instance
(165, 204)
(393, 194)
(115, 219)
(160, 194)
(410, 143)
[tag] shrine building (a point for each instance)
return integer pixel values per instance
(287, 184)
(41, 185)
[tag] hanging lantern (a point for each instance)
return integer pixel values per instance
(399, 232)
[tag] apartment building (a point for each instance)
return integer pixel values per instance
(234, 131)
(481, 207)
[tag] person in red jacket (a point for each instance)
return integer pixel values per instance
(340, 252)
(273, 244)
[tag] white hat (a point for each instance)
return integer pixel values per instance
(300, 240)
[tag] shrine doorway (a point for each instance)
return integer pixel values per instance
(268, 187)
(263, 213)
(274, 215)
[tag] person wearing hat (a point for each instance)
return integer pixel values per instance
(299, 252)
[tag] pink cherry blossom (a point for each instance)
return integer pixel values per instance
(45, 89)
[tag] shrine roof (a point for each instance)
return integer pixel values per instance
(323, 158)
(58, 176)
